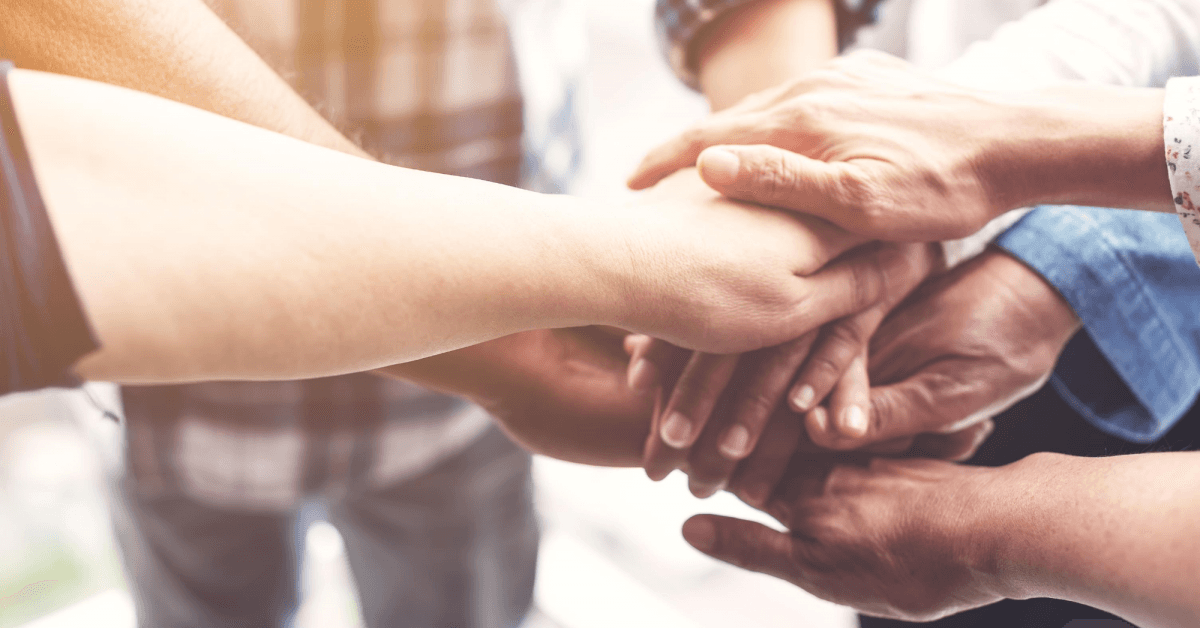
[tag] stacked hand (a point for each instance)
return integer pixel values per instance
(886, 150)
(733, 277)
(958, 351)
(870, 366)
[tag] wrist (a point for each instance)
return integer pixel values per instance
(597, 260)
(1080, 144)
(1050, 312)
(1012, 551)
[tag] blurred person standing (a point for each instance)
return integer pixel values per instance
(434, 502)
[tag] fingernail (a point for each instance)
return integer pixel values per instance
(719, 166)
(735, 442)
(854, 422)
(803, 398)
(700, 534)
(820, 416)
(642, 375)
(676, 431)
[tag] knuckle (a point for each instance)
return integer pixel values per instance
(825, 368)
(846, 338)
(869, 279)
(884, 411)
(870, 203)
(774, 178)
(755, 407)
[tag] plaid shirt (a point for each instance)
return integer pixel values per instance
(463, 87)
(680, 21)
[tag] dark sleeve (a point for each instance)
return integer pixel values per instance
(43, 329)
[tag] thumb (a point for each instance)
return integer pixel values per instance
(772, 176)
(925, 402)
(745, 544)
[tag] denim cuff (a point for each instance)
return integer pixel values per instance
(1152, 374)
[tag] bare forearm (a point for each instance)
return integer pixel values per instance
(177, 49)
(1060, 147)
(298, 260)
(1116, 533)
(761, 45)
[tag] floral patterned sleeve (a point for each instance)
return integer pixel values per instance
(1181, 135)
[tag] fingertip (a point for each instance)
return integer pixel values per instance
(735, 442)
(658, 475)
(818, 424)
(853, 422)
(676, 431)
(718, 166)
(802, 398)
(702, 490)
(701, 533)
(639, 181)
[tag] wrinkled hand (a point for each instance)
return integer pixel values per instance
(963, 349)
(719, 406)
(890, 539)
(869, 142)
(561, 392)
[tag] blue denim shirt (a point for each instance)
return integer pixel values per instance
(1133, 281)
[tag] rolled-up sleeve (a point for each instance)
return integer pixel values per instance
(680, 21)
(1131, 278)
(43, 329)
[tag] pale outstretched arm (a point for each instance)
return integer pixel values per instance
(177, 49)
(202, 247)
(302, 261)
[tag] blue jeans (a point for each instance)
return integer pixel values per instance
(454, 547)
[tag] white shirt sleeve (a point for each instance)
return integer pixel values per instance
(1138, 43)
(1181, 137)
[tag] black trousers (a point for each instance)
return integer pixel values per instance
(1044, 422)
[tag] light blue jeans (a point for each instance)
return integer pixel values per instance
(454, 547)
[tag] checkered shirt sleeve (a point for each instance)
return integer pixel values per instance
(680, 21)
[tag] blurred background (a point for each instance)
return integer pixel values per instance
(611, 552)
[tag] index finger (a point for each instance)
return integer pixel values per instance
(682, 150)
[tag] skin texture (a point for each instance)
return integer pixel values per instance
(715, 408)
(760, 44)
(177, 49)
(888, 151)
(923, 539)
(719, 406)
(747, 49)
(962, 349)
(733, 270)
(561, 393)
(180, 50)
